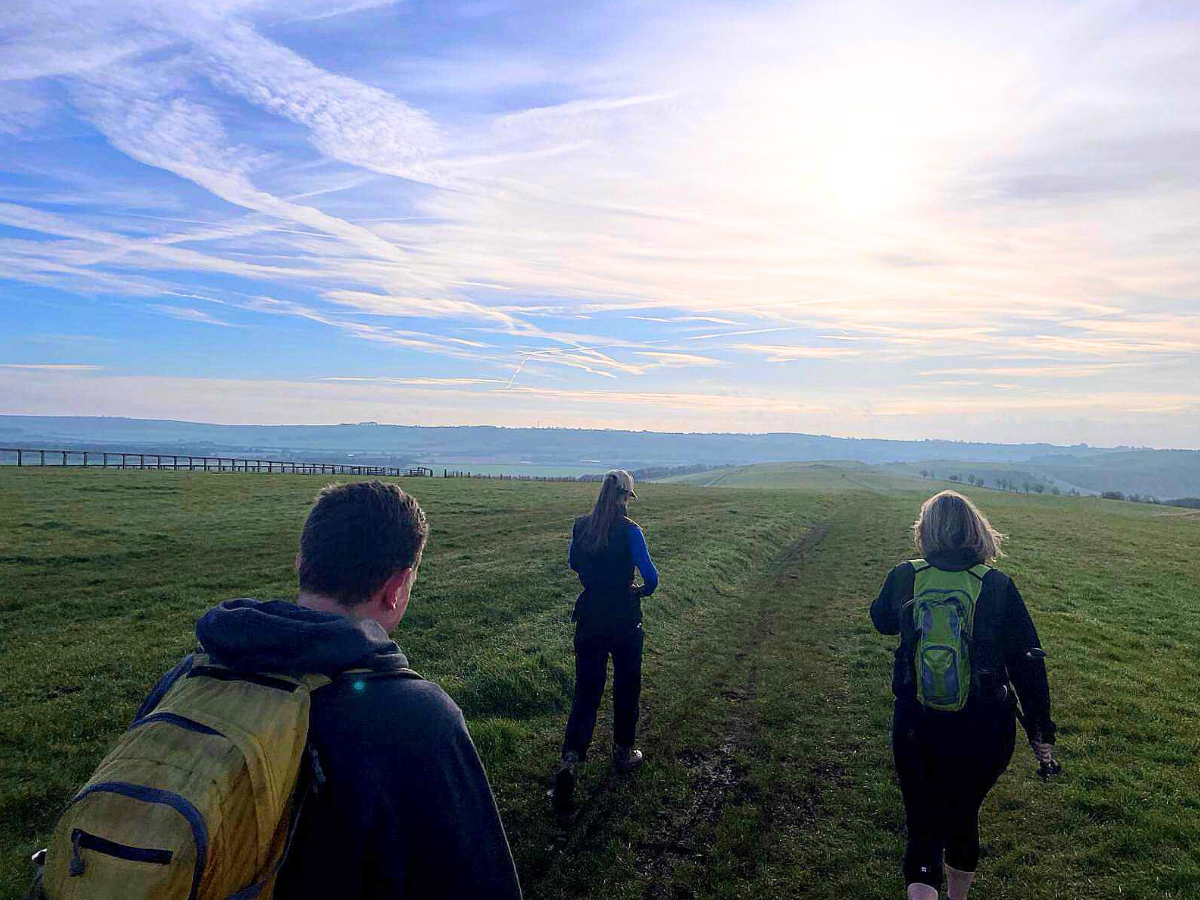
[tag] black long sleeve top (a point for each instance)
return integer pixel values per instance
(1003, 636)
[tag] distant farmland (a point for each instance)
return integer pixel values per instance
(766, 708)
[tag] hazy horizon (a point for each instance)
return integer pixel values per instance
(551, 427)
(901, 220)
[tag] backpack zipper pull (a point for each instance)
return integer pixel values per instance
(77, 865)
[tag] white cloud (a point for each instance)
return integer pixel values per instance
(1102, 418)
(777, 353)
(350, 121)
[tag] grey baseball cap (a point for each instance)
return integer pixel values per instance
(624, 480)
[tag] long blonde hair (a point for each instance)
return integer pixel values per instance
(950, 523)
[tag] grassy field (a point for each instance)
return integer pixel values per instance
(836, 476)
(765, 710)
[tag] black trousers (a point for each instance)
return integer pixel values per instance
(947, 763)
(591, 671)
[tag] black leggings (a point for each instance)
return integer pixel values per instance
(947, 763)
(591, 671)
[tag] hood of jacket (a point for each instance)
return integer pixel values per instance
(279, 636)
(954, 560)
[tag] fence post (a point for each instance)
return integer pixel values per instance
(20, 455)
(85, 459)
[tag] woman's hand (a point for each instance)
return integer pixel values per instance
(1043, 753)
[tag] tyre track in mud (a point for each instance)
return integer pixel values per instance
(682, 835)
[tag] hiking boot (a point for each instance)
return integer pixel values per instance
(564, 780)
(626, 759)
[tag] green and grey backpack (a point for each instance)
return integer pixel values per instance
(943, 618)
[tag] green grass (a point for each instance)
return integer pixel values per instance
(765, 709)
(836, 476)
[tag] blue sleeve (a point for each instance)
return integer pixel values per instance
(641, 559)
(572, 561)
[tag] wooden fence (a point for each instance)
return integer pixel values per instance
(179, 462)
(27, 457)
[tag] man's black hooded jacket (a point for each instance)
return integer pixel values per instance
(406, 809)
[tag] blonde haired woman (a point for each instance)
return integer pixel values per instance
(965, 635)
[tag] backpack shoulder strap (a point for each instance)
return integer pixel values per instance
(919, 565)
(204, 665)
(980, 571)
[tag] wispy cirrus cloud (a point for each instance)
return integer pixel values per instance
(188, 314)
(640, 198)
(52, 367)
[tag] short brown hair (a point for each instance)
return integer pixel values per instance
(356, 537)
(950, 523)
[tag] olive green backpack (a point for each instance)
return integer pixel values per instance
(943, 620)
(198, 800)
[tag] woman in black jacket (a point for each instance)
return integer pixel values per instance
(606, 547)
(948, 759)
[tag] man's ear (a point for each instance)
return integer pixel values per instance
(396, 589)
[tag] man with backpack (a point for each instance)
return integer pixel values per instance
(296, 756)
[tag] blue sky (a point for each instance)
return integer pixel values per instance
(935, 219)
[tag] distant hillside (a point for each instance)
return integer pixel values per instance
(632, 449)
(834, 475)
(1155, 473)
(1160, 473)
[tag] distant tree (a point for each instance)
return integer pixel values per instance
(1075, 492)
(956, 478)
(1113, 495)
(1055, 491)
(1039, 488)
(1184, 502)
(924, 473)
